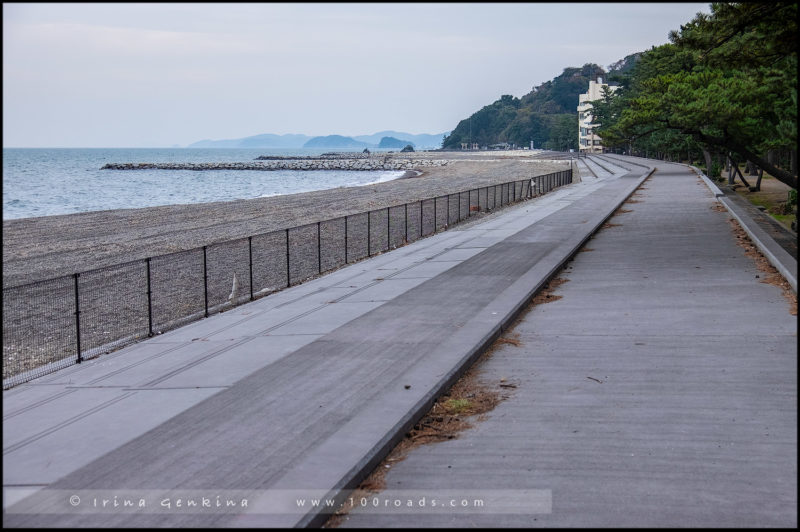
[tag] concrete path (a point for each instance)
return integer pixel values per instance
(299, 395)
(303, 390)
(659, 391)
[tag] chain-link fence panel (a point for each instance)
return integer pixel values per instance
(357, 236)
(269, 262)
(113, 307)
(378, 231)
(178, 289)
(228, 274)
(303, 253)
(397, 226)
(332, 245)
(38, 329)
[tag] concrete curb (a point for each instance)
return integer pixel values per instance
(710, 184)
(776, 255)
(481, 332)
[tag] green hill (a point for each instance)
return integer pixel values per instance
(547, 115)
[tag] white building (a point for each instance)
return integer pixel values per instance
(588, 142)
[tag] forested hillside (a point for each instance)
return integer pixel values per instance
(547, 115)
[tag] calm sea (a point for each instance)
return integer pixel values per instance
(48, 181)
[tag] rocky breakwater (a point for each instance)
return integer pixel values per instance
(373, 163)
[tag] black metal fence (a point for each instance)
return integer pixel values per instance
(50, 324)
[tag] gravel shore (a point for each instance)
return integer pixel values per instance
(51, 246)
(208, 268)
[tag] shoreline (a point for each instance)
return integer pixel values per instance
(47, 247)
(411, 174)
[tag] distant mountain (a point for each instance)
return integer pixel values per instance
(336, 141)
(291, 141)
(266, 140)
(391, 142)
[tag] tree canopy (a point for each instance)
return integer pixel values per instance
(726, 81)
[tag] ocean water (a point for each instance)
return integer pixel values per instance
(50, 181)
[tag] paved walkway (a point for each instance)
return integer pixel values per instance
(301, 394)
(659, 391)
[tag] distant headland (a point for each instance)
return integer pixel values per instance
(381, 139)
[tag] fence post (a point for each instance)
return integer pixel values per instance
(205, 278)
(405, 208)
(435, 218)
(150, 300)
(250, 253)
(421, 214)
(288, 276)
(77, 319)
(319, 246)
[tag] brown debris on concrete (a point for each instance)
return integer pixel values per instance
(771, 275)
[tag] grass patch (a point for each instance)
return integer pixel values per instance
(457, 406)
(773, 197)
(785, 219)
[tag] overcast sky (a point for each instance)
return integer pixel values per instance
(157, 75)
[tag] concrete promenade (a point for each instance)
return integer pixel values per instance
(660, 390)
(302, 393)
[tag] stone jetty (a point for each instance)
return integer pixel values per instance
(359, 163)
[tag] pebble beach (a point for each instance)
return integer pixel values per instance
(45, 247)
(188, 243)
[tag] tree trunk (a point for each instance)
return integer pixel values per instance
(751, 168)
(729, 169)
(707, 157)
(735, 171)
(758, 181)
